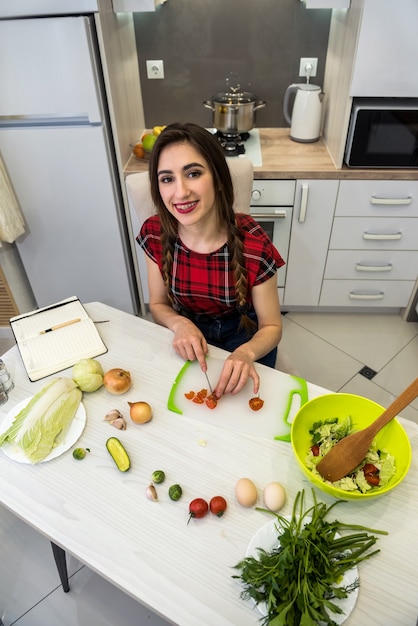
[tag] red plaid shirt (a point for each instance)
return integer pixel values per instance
(205, 283)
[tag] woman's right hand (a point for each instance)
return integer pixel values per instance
(189, 342)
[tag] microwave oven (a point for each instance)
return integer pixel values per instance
(383, 132)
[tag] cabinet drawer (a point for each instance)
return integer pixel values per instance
(372, 265)
(374, 233)
(378, 198)
(354, 293)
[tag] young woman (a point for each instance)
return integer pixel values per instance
(211, 272)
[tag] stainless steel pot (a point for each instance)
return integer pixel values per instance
(234, 113)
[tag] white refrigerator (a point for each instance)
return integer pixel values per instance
(56, 143)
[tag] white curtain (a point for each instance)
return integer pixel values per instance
(11, 220)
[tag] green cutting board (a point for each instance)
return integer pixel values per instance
(283, 395)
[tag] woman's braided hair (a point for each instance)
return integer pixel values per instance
(207, 145)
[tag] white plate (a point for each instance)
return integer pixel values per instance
(73, 433)
(266, 538)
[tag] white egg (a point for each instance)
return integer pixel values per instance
(274, 496)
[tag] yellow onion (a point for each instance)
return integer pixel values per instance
(140, 412)
(117, 381)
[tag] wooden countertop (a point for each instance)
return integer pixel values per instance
(283, 159)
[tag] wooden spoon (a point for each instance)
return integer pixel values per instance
(350, 451)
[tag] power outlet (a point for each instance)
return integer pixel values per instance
(155, 69)
(305, 66)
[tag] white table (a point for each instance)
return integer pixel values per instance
(180, 571)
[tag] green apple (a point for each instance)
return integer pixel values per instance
(148, 142)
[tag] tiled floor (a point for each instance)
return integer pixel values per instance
(326, 349)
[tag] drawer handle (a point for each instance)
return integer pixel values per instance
(358, 295)
(382, 236)
(303, 203)
(373, 268)
(403, 201)
(277, 214)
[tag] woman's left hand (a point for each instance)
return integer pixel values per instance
(237, 368)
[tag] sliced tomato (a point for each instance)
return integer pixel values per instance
(256, 403)
(189, 395)
(371, 474)
(203, 393)
(315, 450)
(211, 401)
(198, 399)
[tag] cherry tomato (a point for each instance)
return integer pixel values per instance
(371, 474)
(189, 395)
(198, 508)
(211, 401)
(218, 505)
(202, 393)
(198, 399)
(256, 403)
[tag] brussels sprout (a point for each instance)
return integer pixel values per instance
(175, 492)
(80, 453)
(158, 477)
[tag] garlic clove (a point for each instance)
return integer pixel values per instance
(112, 415)
(151, 493)
(119, 423)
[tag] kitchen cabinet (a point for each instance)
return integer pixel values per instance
(372, 52)
(373, 249)
(311, 227)
(385, 63)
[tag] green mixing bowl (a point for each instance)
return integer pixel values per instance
(363, 411)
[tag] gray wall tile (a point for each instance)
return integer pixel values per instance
(203, 42)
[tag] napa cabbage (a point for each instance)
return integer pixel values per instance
(37, 428)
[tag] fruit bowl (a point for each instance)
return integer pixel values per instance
(138, 151)
(392, 437)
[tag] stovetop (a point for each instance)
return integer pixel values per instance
(251, 146)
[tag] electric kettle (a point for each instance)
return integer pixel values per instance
(305, 120)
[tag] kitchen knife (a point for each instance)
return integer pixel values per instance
(210, 386)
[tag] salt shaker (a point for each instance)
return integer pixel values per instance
(3, 395)
(5, 379)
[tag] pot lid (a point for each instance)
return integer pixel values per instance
(242, 97)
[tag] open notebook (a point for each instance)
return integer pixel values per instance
(56, 337)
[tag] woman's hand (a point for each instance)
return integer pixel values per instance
(238, 367)
(189, 342)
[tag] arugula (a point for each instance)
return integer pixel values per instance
(299, 578)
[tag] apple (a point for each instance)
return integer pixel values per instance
(148, 142)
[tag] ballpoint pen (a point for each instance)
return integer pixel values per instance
(48, 330)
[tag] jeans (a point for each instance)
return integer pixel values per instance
(225, 333)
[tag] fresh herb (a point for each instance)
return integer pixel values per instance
(299, 578)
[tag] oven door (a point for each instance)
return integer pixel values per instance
(277, 222)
